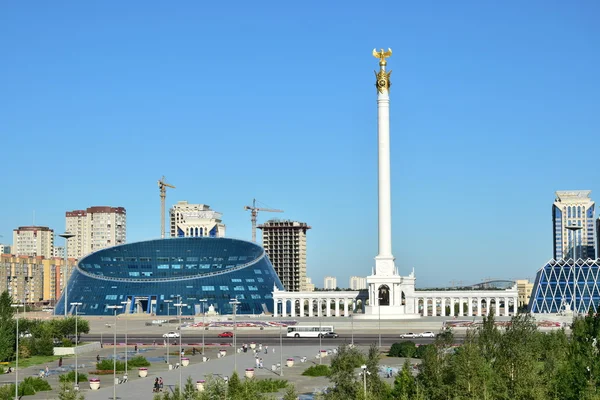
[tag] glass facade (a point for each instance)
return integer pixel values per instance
(145, 274)
(566, 286)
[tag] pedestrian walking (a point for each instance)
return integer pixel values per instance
(266, 349)
(160, 384)
(98, 358)
(60, 362)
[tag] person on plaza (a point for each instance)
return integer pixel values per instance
(47, 371)
(260, 363)
(182, 352)
(135, 348)
(256, 361)
(98, 358)
(156, 386)
(160, 384)
(60, 362)
(266, 348)
(41, 374)
(193, 351)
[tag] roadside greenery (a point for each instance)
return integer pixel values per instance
(317, 370)
(236, 389)
(70, 377)
(44, 334)
(28, 387)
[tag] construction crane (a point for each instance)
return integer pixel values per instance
(162, 185)
(253, 213)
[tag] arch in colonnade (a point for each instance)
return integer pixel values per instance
(403, 298)
(384, 295)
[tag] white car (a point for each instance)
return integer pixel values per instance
(427, 334)
(409, 335)
(171, 335)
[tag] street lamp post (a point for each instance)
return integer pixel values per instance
(364, 372)
(203, 302)
(234, 303)
(281, 350)
(125, 311)
(66, 236)
(115, 308)
(320, 337)
(352, 325)
(17, 361)
(179, 305)
(167, 339)
(76, 387)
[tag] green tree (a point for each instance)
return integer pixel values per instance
(405, 386)
(376, 387)
(7, 327)
(345, 381)
(66, 392)
(469, 372)
(290, 393)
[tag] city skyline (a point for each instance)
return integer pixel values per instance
(477, 111)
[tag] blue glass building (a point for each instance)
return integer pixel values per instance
(566, 285)
(149, 276)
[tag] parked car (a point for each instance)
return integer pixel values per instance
(25, 334)
(329, 335)
(171, 334)
(225, 334)
(408, 335)
(427, 334)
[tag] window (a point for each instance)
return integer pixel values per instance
(111, 297)
(176, 266)
(208, 288)
(193, 259)
(261, 280)
(235, 280)
(224, 288)
(238, 288)
(258, 272)
(255, 296)
(162, 259)
(163, 266)
(251, 280)
(191, 266)
(134, 273)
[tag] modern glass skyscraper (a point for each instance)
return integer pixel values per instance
(573, 225)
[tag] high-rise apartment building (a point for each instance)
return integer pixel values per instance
(358, 282)
(310, 287)
(285, 244)
(330, 283)
(33, 241)
(5, 249)
(195, 220)
(524, 288)
(95, 228)
(59, 251)
(573, 209)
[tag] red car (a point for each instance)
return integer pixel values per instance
(225, 334)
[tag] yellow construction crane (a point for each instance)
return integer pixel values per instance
(162, 185)
(254, 212)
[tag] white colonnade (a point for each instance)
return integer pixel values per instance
(318, 304)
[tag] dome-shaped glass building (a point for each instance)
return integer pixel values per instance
(149, 276)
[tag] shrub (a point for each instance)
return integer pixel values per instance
(67, 343)
(403, 349)
(421, 350)
(317, 370)
(70, 377)
(107, 364)
(271, 385)
(31, 386)
(138, 361)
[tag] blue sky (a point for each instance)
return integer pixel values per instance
(494, 107)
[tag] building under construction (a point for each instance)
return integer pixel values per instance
(285, 244)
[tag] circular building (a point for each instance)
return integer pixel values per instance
(147, 277)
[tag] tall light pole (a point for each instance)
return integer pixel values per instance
(167, 340)
(115, 308)
(281, 350)
(179, 305)
(76, 387)
(203, 302)
(66, 236)
(352, 325)
(125, 311)
(234, 303)
(320, 337)
(364, 371)
(17, 362)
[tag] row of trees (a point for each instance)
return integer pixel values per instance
(518, 362)
(36, 337)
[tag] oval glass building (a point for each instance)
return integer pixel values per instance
(147, 277)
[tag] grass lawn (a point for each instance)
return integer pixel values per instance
(36, 360)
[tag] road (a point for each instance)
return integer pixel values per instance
(248, 337)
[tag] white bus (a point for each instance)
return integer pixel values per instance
(308, 331)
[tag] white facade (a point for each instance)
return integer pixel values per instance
(285, 244)
(59, 251)
(95, 228)
(195, 220)
(330, 282)
(573, 225)
(33, 241)
(310, 287)
(358, 283)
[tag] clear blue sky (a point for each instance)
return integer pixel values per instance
(494, 108)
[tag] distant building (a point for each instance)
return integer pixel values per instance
(5, 249)
(35, 241)
(330, 283)
(95, 228)
(195, 220)
(524, 288)
(358, 282)
(573, 208)
(59, 251)
(598, 237)
(310, 287)
(285, 243)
